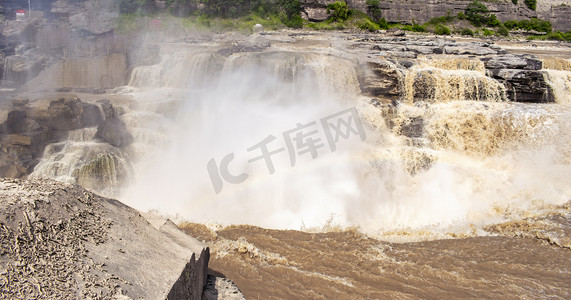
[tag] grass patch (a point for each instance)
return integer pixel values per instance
(553, 36)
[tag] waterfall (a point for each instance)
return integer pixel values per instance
(559, 78)
(443, 80)
(93, 165)
(452, 153)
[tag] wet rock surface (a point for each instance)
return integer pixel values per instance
(29, 125)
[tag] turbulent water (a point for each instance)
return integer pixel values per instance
(478, 160)
(449, 157)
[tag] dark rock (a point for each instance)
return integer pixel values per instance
(114, 132)
(524, 85)
(412, 127)
(192, 280)
(396, 32)
(380, 79)
(424, 87)
(406, 63)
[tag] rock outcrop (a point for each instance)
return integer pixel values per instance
(28, 126)
(522, 77)
(421, 11)
(59, 241)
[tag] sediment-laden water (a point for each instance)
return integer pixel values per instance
(283, 135)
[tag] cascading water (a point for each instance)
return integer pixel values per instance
(439, 160)
(559, 72)
(451, 80)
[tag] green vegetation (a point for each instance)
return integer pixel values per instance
(465, 31)
(503, 30)
(242, 15)
(288, 12)
(441, 30)
(531, 4)
(374, 11)
(553, 36)
(339, 11)
(383, 24)
(441, 20)
(488, 32)
(478, 14)
(531, 24)
(368, 25)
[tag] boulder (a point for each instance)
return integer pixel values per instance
(512, 62)
(60, 241)
(469, 49)
(524, 85)
(114, 132)
(380, 79)
(67, 114)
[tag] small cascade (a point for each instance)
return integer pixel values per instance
(487, 129)
(451, 80)
(559, 78)
(93, 165)
(454, 63)
(181, 70)
(309, 72)
(82, 135)
(557, 63)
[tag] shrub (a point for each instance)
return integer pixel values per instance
(368, 25)
(514, 2)
(488, 32)
(339, 11)
(555, 35)
(374, 11)
(511, 24)
(503, 31)
(493, 21)
(477, 13)
(535, 24)
(441, 20)
(417, 27)
(466, 31)
(441, 30)
(288, 12)
(531, 4)
(383, 24)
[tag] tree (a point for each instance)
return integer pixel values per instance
(477, 13)
(338, 10)
(531, 4)
(374, 11)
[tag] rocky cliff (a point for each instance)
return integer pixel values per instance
(421, 11)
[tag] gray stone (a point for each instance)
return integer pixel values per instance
(380, 79)
(524, 85)
(80, 245)
(512, 62)
(114, 132)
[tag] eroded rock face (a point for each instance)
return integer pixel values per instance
(522, 77)
(381, 79)
(525, 85)
(61, 242)
(28, 126)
